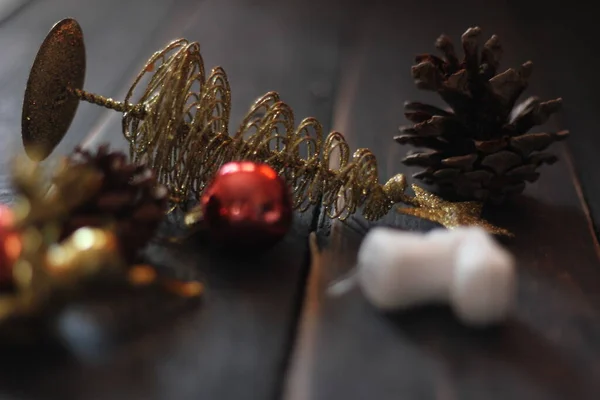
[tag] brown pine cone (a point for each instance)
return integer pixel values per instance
(480, 148)
(129, 198)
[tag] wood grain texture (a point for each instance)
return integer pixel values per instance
(9, 8)
(547, 350)
(291, 48)
(347, 63)
(239, 332)
(562, 40)
(234, 344)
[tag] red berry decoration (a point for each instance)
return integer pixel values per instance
(10, 246)
(247, 205)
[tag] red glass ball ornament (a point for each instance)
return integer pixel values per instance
(247, 205)
(10, 246)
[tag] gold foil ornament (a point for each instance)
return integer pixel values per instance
(179, 125)
(48, 108)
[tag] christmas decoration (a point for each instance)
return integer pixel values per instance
(454, 215)
(10, 247)
(480, 148)
(247, 205)
(127, 196)
(47, 268)
(179, 124)
(44, 119)
(465, 268)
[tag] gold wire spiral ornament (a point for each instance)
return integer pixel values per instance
(183, 135)
(176, 119)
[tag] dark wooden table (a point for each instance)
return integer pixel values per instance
(272, 327)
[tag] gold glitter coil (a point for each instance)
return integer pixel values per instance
(183, 135)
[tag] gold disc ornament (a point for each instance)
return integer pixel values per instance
(48, 106)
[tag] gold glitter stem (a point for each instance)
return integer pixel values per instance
(408, 200)
(137, 110)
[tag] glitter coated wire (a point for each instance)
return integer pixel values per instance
(176, 120)
(182, 133)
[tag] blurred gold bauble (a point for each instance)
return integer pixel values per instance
(85, 252)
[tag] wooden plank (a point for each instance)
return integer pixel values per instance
(235, 344)
(548, 349)
(559, 36)
(9, 8)
(263, 46)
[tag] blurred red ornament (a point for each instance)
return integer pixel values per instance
(10, 246)
(247, 205)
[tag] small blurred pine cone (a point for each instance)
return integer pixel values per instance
(128, 198)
